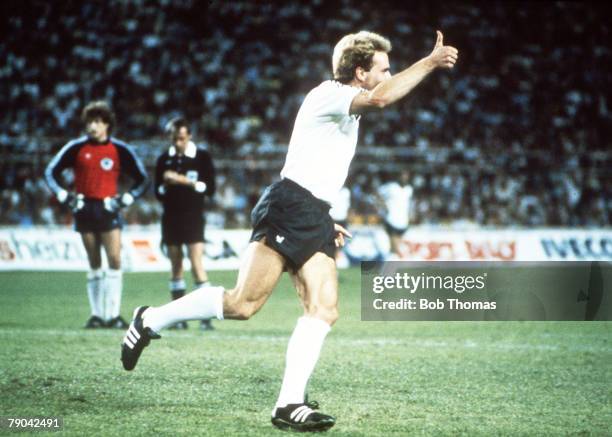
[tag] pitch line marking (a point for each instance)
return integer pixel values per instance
(354, 342)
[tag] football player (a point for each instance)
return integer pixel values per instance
(98, 160)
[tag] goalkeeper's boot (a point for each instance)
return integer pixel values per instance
(302, 418)
(179, 326)
(206, 325)
(117, 323)
(136, 339)
(95, 322)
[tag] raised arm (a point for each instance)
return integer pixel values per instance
(398, 86)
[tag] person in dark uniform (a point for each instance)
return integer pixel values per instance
(98, 160)
(184, 177)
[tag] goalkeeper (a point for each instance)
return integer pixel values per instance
(98, 160)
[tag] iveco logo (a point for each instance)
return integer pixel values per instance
(107, 164)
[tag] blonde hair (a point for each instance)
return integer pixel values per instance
(356, 50)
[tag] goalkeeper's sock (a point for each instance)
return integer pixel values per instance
(114, 286)
(95, 291)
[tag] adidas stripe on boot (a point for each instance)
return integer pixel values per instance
(136, 339)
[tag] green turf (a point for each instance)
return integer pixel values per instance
(377, 378)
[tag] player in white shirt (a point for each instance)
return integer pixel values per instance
(292, 229)
(396, 197)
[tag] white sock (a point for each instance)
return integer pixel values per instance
(112, 297)
(203, 303)
(302, 355)
(94, 291)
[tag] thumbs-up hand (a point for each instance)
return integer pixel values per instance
(443, 56)
(439, 40)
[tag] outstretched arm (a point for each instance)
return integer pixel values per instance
(399, 85)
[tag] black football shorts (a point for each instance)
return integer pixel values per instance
(182, 227)
(295, 223)
(93, 217)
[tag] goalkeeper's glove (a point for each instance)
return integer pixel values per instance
(74, 201)
(114, 204)
(199, 187)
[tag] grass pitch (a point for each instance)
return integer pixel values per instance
(377, 378)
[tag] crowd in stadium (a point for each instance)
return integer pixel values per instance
(516, 135)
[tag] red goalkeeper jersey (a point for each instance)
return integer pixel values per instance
(97, 168)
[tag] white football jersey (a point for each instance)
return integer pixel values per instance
(397, 200)
(341, 204)
(323, 141)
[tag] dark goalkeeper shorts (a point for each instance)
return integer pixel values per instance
(182, 227)
(295, 223)
(93, 217)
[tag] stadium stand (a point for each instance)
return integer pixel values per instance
(517, 135)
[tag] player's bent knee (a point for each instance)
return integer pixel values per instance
(242, 314)
(332, 317)
(236, 308)
(328, 314)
